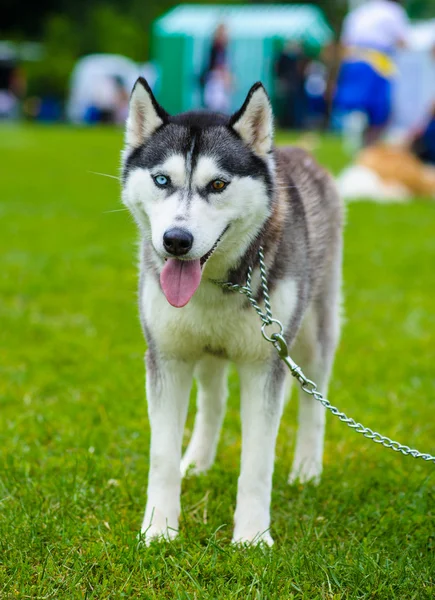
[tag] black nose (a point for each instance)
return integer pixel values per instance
(177, 241)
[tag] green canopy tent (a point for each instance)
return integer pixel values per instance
(182, 38)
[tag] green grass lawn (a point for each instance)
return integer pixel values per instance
(73, 424)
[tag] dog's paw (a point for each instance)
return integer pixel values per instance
(194, 466)
(156, 534)
(158, 526)
(252, 539)
(307, 471)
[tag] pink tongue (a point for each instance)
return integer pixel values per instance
(179, 280)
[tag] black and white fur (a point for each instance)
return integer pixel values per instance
(278, 198)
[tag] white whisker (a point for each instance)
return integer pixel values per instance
(105, 175)
(112, 211)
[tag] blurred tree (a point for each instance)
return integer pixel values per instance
(50, 76)
(28, 19)
(421, 9)
(109, 29)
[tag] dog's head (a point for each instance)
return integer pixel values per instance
(198, 184)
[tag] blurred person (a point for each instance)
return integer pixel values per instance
(12, 88)
(422, 141)
(217, 91)
(121, 102)
(216, 79)
(370, 36)
(219, 48)
(103, 101)
(290, 81)
(109, 102)
(316, 78)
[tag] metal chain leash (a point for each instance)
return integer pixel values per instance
(279, 343)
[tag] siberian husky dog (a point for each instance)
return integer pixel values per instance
(207, 190)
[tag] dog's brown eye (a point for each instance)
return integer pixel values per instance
(218, 185)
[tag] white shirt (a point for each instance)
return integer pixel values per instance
(216, 95)
(377, 24)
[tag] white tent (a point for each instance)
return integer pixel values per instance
(89, 81)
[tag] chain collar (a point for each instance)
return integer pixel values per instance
(280, 345)
(266, 315)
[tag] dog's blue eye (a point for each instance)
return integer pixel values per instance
(161, 180)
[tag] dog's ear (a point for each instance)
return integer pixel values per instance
(145, 114)
(254, 121)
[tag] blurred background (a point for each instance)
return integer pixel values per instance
(76, 61)
(354, 82)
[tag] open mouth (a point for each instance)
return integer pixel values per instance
(205, 258)
(180, 279)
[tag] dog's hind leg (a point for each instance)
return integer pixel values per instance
(211, 374)
(168, 387)
(314, 350)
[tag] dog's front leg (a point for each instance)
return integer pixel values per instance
(168, 387)
(262, 399)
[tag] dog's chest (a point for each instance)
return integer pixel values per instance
(217, 323)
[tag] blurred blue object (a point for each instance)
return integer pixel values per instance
(361, 88)
(50, 110)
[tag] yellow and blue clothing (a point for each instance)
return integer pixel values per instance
(370, 35)
(364, 84)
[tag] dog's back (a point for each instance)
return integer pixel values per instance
(304, 232)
